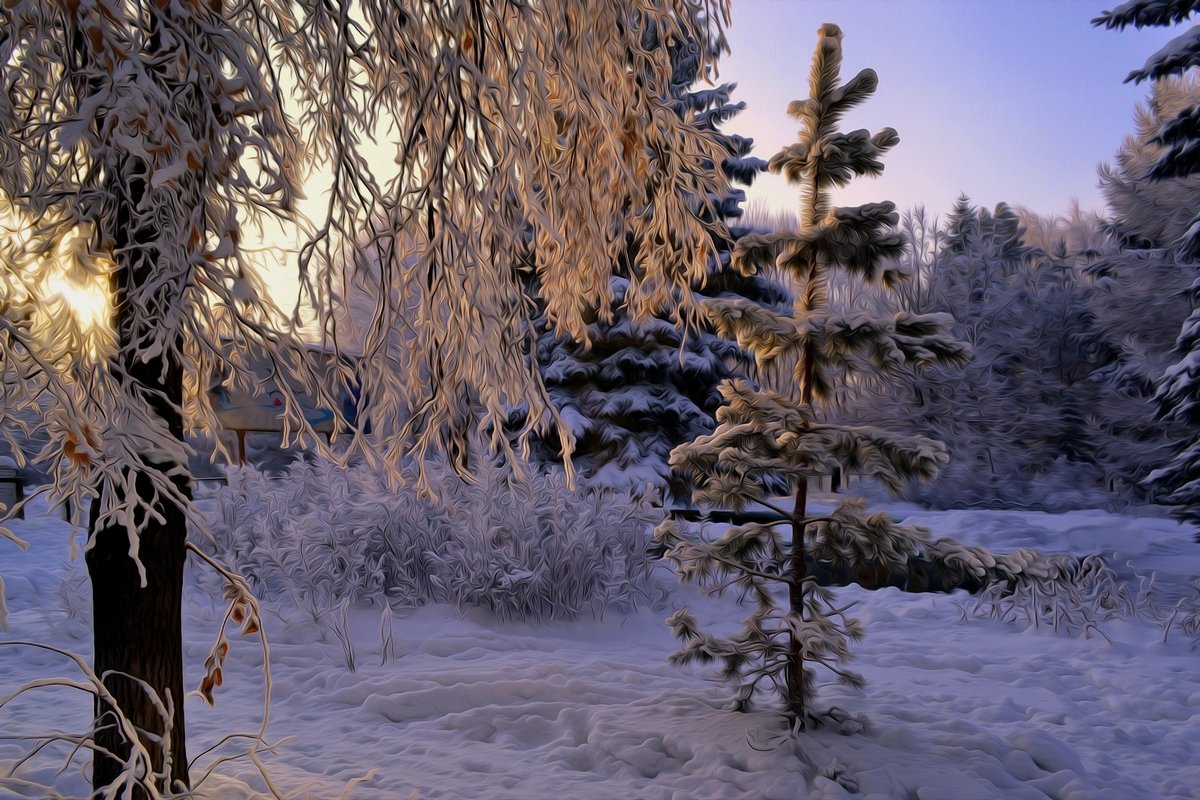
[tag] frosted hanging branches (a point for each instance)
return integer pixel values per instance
(127, 134)
(535, 133)
(519, 131)
(147, 134)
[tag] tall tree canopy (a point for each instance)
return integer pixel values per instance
(1178, 135)
(639, 387)
(1179, 138)
(1150, 213)
(140, 138)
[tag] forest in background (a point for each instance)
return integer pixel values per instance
(1072, 321)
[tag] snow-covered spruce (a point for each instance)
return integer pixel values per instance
(639, 385)
(1170, 130)
(1149, 213)
(765, 437)
(1177, 396)
(1179, 137)
(1043, 303)
(1009, 301)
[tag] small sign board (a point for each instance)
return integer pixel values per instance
(10, 486)
(262, 410)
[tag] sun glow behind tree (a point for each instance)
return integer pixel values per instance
(60, 285)
(88, 303)
(162, 133)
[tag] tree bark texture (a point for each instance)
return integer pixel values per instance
(137, 632)
(138, 629)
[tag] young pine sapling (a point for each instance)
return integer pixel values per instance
(767, 438)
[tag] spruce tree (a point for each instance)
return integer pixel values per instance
(1144, 267)
(1150, 213)
(1181, 136)
(1178, 391)
(1021, 310)
(639, 387)
(764, 436)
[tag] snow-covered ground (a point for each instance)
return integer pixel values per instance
(471, 708)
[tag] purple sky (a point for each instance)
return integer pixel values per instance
(1013, 100)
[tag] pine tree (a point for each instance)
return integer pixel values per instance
(639, 387)
(1181, 136)
(1178, 396)
(1134, 350)
(1044, 304)
(1022, 311)
(1147, 212)
(765, 436)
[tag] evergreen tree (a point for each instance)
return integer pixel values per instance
(1152, 213)
(765, 436)
(1181, 136)
(1142, 266)
(1019, 417)
(1053, 410)
(639, 387)
(1179, 397)
(1178, 391)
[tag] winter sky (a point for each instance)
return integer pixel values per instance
(1013, 100)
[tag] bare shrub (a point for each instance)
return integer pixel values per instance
(523, 548)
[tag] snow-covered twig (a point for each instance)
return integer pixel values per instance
(138, 769)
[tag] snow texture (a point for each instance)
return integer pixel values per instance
(471, 707)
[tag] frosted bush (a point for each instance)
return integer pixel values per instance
(1074, 596)
(1071, 596)
(1187, 612)
(525, 548)
(1172, 608)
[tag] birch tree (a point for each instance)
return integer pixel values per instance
(140, 139)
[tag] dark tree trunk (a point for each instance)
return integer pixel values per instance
(138, 629)
(138, 633)
(797, 701)
(809, 301)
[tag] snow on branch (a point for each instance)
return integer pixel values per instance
(1143, 13)
(149, 136)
